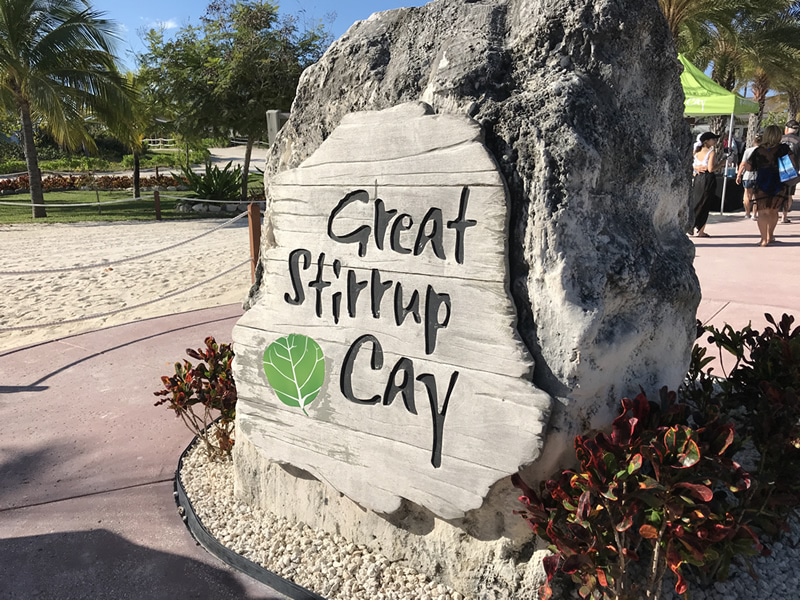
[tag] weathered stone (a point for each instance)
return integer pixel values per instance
(581, 109)
(416, 214)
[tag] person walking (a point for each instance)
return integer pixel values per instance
(704, 183)
(770, 193)
(748, 180)
(790, 138)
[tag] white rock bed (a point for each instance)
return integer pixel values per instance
(335, 568)
(325, 564)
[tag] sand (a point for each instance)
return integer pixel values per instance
(41, 306)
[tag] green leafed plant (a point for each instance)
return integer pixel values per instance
(762, 390)
(201, 394)
(651, 493)
(295, 368)
(215, 183)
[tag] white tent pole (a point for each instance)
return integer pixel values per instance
(731, 135)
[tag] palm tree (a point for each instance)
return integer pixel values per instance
(693, 21)
(57, 67)
(744, 41)
(132, 133)
(771, 54)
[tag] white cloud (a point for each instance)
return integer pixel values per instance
(168, 24)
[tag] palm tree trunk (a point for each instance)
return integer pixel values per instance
(792, 102)
(753, 128)
(246, 168)
(136, 174)
(32, 161)
(716, 125)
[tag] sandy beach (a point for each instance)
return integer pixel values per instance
(43, 306)
(40, 306)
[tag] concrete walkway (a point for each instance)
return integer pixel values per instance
(741, 281)
(86, 460)
(86, 466)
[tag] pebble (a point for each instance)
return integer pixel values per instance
(321, 562)
(333, 567)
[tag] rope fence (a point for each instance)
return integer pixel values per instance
(62, 205)
(105, 264)
(105, 314)
(254, 225)
(24, 205)
(194, 200)
(157, 196)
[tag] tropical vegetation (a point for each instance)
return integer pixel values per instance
(57, 69)
(60, 80)
(222, 76)
(746, 44)
(684, 486)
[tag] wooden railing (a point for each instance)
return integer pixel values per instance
(167, 144)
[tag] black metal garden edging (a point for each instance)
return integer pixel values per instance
(231, 558)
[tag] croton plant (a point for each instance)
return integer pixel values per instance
(652, 493)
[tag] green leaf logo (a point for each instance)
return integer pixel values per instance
(295, 369)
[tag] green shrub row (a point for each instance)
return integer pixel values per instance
(16, 164)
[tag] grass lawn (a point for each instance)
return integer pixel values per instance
(139, 210)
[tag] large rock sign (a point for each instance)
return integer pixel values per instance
(581, 109)
(388, 276)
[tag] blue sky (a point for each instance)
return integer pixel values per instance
(132, 17)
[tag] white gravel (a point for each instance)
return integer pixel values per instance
(321, 562)
(335, 568)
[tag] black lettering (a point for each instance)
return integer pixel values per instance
(434, 217)
(405, 388)
(361, 234)
(319, 284)
(336, 298)
(382, 219)
(354, 288)
(433, 302)
(294, 275)
(377, 289)
(336, 306)
(376, 363)
(413, 308)
(460, 224)
(437, 415)
(402, 223)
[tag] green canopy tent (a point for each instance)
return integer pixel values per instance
(705, 98)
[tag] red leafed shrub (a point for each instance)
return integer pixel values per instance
(74, 182)
(652, 493)
(762, 390)
(67, 182)
(200, 394)
(113, 182)
(161, 181)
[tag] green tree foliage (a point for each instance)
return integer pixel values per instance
(223, 75)
(57, 68)
(751, 43)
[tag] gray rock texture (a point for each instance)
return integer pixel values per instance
(581, 108)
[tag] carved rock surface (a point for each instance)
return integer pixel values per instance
(388, 252)
(581, 109)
